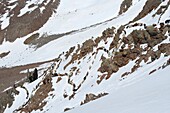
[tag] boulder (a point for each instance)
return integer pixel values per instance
(108, 66)
(152, 30)
(164, 48)
(87, 47)
(120, 61)
(132, 56)
(140, 36)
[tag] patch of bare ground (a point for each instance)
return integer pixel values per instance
(149, 6)
(125, 6)
(27, 23)
(36, 102)
(8, 76)
(4, 54)
(7, 98)
(30, 39)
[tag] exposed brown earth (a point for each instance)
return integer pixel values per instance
(7, 98)
(149, 6)
(4, 54)
(125, 6)
(30, 39)
(27, 23)
(8, 76)
(36, 102)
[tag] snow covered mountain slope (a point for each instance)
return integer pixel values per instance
(64, 24)
(94, 56)
(149, 94)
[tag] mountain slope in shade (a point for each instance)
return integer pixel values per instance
(95, 56)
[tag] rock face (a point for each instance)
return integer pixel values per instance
(37, 101)
(149, 6)
(131, 48)
(152, 31)
(108, 66)
(125, 6)
(150, 36)
(165, 48)
(7, 98)
(4, 54)
(87, 47)
(28, 22)
(140, 36)
(91, 97)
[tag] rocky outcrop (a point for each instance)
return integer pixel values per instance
(91, 97)
(125, 6)
(116, 39)
(4, 54)
(37, 100)
(149, 6)
(28, 22)
(30, 39)
(32, 76)
(69, 52)
(86, 48)
(108, 66)
(165, 48)
(7, 98)
(150, 36)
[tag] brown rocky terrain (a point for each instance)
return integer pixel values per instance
(27, 23)
(4, 54)
(124, 6)
(151, 36)
(37, 101)
(13, 77)
(149, 6)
